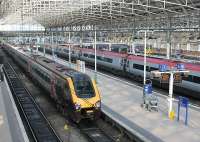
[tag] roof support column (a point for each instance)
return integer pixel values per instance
(168, 53)
(44, 52)
(69, 51)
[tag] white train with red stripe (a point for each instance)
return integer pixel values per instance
(133, 66)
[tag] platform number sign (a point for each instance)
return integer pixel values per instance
(165, 78)
(177, 78)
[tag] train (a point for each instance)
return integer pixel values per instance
(132, 66)
(74, 92)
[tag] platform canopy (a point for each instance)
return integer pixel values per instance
(106, 14)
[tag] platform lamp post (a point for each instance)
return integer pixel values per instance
(44, 52)
(145, 64)
(95, 54)
(171, 84)
(69, 51)
(52, 45)
(145, 55)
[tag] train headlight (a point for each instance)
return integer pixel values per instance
(77, 106)
(98, 104)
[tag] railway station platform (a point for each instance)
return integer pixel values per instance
(11, 125)
(121, 101)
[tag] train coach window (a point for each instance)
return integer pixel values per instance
(99, 58)
(65, 50)
(59, 88)
(108, 60)
(196, 79)
(85, 55)
(189, 78)
(139, 67)
(153, 69)
(47, 79)
(91, 56)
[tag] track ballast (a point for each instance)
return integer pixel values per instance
(39, 127)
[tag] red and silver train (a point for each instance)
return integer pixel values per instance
(115, 58)
(74, 92)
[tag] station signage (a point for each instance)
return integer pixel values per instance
(165, 77)
(177, 78)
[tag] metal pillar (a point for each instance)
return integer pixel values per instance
(44, 52)
(52, 45)
(168, 45)
(145, 59)
(69, 52)
(95, 53)
(81, 43)
(171, 83)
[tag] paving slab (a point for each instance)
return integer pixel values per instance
(11, 125)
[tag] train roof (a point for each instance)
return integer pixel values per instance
(57, 68)
(51, 65)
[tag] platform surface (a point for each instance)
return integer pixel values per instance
(11, 127)
(122, 101)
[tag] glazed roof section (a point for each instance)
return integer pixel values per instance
(105, 13)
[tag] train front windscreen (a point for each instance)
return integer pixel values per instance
(83, 86)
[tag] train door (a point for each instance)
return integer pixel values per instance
(53, 91)
(123, 64)
(127, 66)
(29, 66)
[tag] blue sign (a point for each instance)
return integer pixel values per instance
(183, 102)
(180, 66)
(162, 67)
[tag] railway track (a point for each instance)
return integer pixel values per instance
(38, 126)
(88, 128)
(93, 132)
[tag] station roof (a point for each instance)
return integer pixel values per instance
(104, 13)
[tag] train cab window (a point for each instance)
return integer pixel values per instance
(196, 79)
(83, 86)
